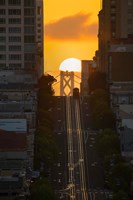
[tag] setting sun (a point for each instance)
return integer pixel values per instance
(71, 64)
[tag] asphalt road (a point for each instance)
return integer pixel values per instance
(78, 163)
(94, 170)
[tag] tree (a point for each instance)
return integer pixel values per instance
(97, 80)
(121, 177)
(46, 81)
(97, 113)
(41, 190)
(120, 195)
(99, 95)
(111, 161)
(101, 115)
(45, 92)
(45, 118)
(108, 143)
(45, 146)
(108, 120)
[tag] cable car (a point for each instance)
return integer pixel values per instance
(76, 92)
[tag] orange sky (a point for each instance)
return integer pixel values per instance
(70, 30)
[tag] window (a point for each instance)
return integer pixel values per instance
(39, 30)
(2, 30)
(29, 12)
(29, 3)
(130, 15)
(130, 3)
(14, 48)
(2, 20)
(39, 10)
(129, 21)
(2, 56)
(14, 2)
(2, 11)
(14, 30)
(15, 65)
(2, 65)
(39, 25)
(29, 20)
(113, 10)
(2, 48)
(130, 30)
(29, 57)
(113, 2)
(14, 39)
(29, 65)
(29, 30)
(113, 18)
(2, 39)
(14, 12)
(29, 39)
(130, 10)
(2, 2)
(14, 20)
(14, 57)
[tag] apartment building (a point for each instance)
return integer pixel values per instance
(115, 55)
(18, 34)
(115, 21)
(39, 38)
(87, 67)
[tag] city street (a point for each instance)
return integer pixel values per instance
(77, 174)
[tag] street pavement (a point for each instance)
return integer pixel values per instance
(59, 173)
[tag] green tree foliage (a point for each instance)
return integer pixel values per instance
(117, 171)
(111, 161)
(46, 148)
(45, 82)
(108, 120)
(45, 118)
(45, 92)
(97, 80)
(97, 112)
(108, 143)
(101, 115)
(45, 144)
(41, 190)
(99, 95)
(121, 177)
(120, 195)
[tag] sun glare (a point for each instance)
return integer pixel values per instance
(71, 64)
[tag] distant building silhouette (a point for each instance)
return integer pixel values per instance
(115, 57)
(115, 23)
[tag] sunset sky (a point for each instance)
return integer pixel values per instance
(70, 30)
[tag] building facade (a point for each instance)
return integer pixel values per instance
(115, 53)
(87, 67)
(17, 34)
(18, 102)
(115, 22)
(39, 38)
